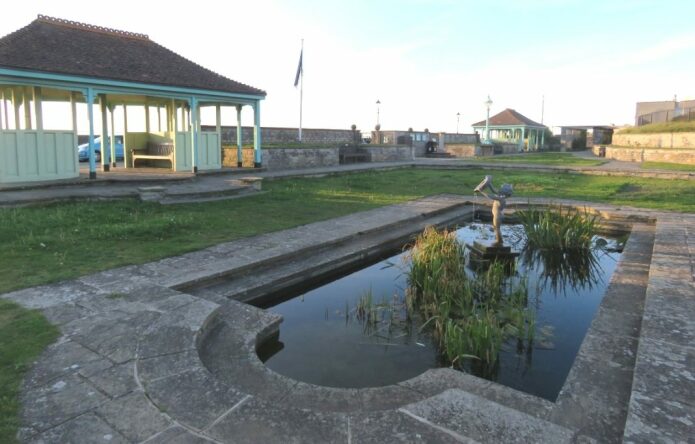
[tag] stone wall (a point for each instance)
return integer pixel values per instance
(273, 135)
(389, 153)
(655, 140)
(673, 155)
(284, 158)
(460, 149)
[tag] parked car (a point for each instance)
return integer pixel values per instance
(83, 150)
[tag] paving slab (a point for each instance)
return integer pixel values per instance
(256, 421)
(85, 429)
(134, 416)
(474, 417)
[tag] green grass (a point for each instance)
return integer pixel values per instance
(667, 166)
(563, 159)
(666, 127)
(24, 334)
(65, 240)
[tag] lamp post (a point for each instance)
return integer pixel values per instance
(458, 117)
(378, 102)
(488, 104)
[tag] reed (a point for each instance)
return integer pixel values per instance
(558, 228)
(471, 317)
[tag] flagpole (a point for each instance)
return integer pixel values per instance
(301, 93)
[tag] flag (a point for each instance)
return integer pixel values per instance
(299, 69)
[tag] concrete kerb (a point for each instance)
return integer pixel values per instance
(235, 408)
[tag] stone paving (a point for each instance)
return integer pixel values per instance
(141, 359)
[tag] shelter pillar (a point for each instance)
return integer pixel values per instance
(15, 104)
(112, 140)
(90, 115)
(27, 109)
(38, 112)
(257, 162)
(193, 125)
(543, 139)
(7, 115)
(105, 149)
(147, 117)
(535, 140)
(521, 140)
(239, 150)
(2, 113)
(125, 136)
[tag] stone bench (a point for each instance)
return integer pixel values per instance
(155, 151)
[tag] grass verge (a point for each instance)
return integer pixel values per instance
(54, 242)
(667, 166)
(25, 333)
(564, 159)
(665, 127)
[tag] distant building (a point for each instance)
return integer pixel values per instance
(573, 138)
(513, 127)
(665, 111)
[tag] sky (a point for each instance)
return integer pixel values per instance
(568, 62)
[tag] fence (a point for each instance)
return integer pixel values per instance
(672, 115)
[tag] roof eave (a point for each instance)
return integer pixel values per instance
(101, 85)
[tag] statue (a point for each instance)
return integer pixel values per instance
(499, 202)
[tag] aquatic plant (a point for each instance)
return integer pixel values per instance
(562, 241)
(471, 317)
(558, 228)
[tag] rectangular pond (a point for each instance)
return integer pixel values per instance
(329, 335)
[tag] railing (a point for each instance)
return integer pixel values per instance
(680, 115)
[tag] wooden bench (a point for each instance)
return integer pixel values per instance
(155, 151)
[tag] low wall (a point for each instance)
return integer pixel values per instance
(460, 149)
(389, 153)
(283, 135)
(673, 155)
(284, 158)
(655, 140)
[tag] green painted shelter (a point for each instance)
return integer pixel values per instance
(513, 127)
(55, 60)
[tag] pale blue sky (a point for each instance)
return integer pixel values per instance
(425, 60)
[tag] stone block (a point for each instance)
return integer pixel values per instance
(58, 401)
(194, 398)
(134, 416)
(397, 427)
(85, 429)
(256, 421)
(476, 418)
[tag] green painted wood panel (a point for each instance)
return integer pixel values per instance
(29, 156)
(210, 151)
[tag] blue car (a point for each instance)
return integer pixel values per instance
(83, 150)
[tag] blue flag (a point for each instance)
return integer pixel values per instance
(299, 68)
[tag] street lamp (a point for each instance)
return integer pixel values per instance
(458, 117)
(378, 102)
(488, 104)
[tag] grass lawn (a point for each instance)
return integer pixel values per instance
(54, 242)
(668, 166)
(60, 241)
(665, 127)
(564, 159)
(24, 334)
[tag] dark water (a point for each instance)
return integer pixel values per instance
(323, 340)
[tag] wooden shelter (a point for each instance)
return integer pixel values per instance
(58, 60)
(512, 126)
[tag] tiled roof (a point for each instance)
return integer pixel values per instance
(63, 47)
(509, 117)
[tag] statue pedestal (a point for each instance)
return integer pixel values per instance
(483, 254)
